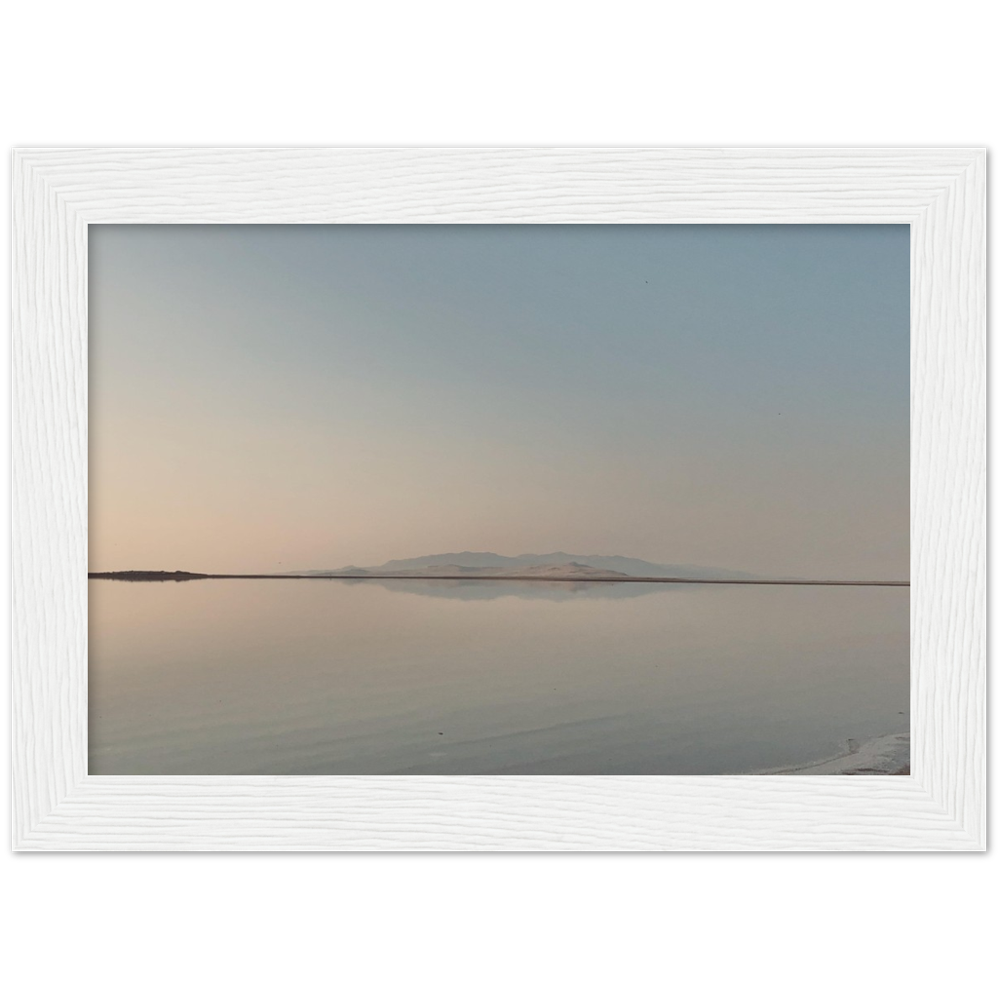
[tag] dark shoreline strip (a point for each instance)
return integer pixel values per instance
(140, 576)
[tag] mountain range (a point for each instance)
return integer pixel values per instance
(561, 564)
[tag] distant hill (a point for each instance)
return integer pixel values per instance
(541, 564)
(573, 570)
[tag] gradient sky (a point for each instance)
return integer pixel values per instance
(297, 397)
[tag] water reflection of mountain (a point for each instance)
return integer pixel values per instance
(539, 590)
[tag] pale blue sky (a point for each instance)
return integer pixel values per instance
(271, 397)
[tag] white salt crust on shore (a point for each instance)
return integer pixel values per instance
(882, 755)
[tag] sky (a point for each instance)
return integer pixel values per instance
(273, 398)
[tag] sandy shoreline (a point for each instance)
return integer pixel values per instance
(882, 755)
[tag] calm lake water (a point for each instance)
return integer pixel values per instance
(333, 677)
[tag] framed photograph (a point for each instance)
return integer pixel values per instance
(499, 499)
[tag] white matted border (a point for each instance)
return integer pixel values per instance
(940, 193)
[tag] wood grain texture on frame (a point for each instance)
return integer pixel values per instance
(940, 193)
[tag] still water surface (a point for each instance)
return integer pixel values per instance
(334, 677)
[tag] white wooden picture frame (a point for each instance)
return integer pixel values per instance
(939, 192)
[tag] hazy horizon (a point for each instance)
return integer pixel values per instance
(270, 398)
